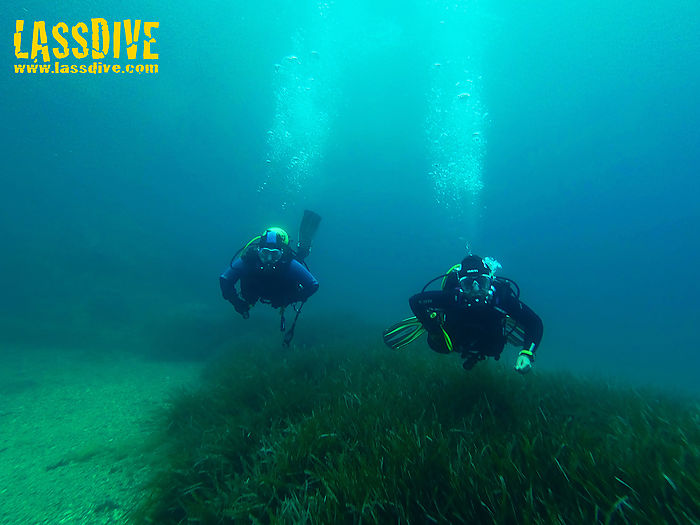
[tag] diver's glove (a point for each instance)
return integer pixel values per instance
(241, 307)
(524, 362)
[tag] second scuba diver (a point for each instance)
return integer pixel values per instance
(271, 272)
(474, 314)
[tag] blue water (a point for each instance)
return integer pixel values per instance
(572, 160)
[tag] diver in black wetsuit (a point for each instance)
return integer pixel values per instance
(474, 314)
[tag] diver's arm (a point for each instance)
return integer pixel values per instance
(228, 280)
(428, 308)
(531, 324)
(425, 303)
(306, 282)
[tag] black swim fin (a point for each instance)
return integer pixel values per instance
(309, 225)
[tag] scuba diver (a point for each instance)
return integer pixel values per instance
(474, 314)
(271, 272)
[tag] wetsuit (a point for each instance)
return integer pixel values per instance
(288, 281)
(476, 330)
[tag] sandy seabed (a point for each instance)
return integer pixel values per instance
(76, 432)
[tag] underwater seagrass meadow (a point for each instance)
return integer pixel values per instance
(559, 139)
(344, 433)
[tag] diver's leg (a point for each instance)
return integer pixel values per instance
(472, 353)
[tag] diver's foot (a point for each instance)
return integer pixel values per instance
(470, 359)
(469, 363)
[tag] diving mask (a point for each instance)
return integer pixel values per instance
(269, 255)
(477, 287)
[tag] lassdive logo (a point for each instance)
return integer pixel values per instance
(67, 51)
